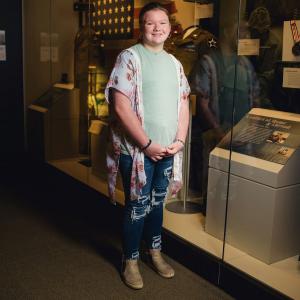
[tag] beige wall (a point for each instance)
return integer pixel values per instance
(228, 12)
(185, 14)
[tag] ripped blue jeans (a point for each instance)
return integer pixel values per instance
(143, 217)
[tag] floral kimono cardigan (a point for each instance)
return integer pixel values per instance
(126, 78)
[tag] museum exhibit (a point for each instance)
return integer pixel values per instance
(240, 204)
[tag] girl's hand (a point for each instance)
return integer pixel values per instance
(155, 151)
(174, 148)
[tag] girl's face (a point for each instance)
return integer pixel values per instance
(155, 29)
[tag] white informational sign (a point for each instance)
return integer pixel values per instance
(2, 46)
(44, 39)
(44, 53)
(204, 11)
(291, 78)
(288, 40)
(248, 47)
(2, 53)
(44, 47)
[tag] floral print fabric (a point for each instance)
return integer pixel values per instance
(126, 78)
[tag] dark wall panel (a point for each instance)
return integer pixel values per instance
(11, 86)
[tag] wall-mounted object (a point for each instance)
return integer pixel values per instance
(113, 20)
(2, 46)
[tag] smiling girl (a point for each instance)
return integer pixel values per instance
(148, 95)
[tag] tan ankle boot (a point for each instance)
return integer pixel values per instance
(131, 274)
(160, 265)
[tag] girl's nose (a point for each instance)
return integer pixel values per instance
(157, 27)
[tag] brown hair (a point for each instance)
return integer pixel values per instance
(150, 6)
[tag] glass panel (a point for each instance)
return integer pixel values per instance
(63, 98)
(207, 49)
(37, 75)
(242, 60)
(262, 228)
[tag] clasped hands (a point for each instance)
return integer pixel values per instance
(157, 152)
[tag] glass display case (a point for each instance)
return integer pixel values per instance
(240, 198)
(262, 206)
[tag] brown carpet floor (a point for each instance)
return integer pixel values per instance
(61, 240)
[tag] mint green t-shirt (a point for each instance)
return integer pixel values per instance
(160, 95)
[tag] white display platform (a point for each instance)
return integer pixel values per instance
(263, 200)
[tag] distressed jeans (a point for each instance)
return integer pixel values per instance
(143, 217)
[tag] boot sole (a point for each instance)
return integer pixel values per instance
(152, 266)
(148, 261)
(163, 275)
(135, 287)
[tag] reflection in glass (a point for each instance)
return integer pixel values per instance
(219, 79)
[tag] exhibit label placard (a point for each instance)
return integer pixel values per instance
(267, 138)
(248, 47)
(291, 78)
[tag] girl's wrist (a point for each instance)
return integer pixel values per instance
(181, 142)
(146, 146)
